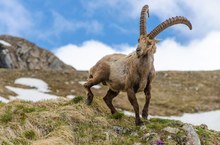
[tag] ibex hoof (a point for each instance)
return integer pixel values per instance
(145, 116)
(139, 123)
(88, 102)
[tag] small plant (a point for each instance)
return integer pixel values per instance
(7, 117)
(117, 115)
(30, 134)
(77, 99)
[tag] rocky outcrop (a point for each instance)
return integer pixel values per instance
(18, 53)
(192, 136)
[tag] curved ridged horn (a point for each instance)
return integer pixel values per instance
(144, 11)
(170, 22)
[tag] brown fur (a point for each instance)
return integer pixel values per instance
(132, 73)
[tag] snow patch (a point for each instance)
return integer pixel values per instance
(211, 118)
(5, 43)
(40, 85)
(3, 100)
(70, 97)
(31, 94)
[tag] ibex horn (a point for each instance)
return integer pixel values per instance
(144, 11)
(169, 22)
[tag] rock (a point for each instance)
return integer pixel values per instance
(204, 126)
(22, 54)
(137, 143)
(171, 130)
(192, 136)
(134, 134)
(143, 127)
(121, 130)
(150, 137)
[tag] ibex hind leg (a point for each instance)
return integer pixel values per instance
(108, 100)
(91, 82)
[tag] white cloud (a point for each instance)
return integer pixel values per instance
(86, 55)
(201, 54)
(14, 18)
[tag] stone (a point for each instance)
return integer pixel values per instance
(192, 136)
(134, 134)
(121, 130)
(171, 130)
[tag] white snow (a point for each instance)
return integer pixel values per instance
(5, 43)
(33, 82)
(70, 97)
(38, 93)
(95, 86)
(3, 100)
(211, 118)
(30, 94)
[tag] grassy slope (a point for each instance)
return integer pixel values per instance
(64, 122)
(67, 122)
(173, 92)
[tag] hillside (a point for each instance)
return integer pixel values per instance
(62, 122)
(173, 93)
(70, 121)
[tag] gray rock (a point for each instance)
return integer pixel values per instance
(22, 54)
(134, 134)
(137, 143)
(171, 130)
(121, 130)
(192, 136)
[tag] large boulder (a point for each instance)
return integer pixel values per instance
(18, 53)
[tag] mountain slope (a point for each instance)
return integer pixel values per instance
(73, 122)
(18, 53)
(66, 121)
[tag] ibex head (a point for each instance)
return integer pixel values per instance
(147, 42)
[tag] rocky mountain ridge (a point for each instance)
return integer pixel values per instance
(18, 53)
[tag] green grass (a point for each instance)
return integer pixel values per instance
(6, 117)
(77, 99)
(30, 134)
(157, 123)
(117, 115)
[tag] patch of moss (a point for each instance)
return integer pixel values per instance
(157, 123)
(6, 117)
(203, 134)
(117, 115)
(30, 134)
(77, 99)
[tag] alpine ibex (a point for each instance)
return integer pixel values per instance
(131, 73)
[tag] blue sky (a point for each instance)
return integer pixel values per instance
(75, 28)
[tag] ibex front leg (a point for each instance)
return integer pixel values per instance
(147, 92)
(133, 100)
